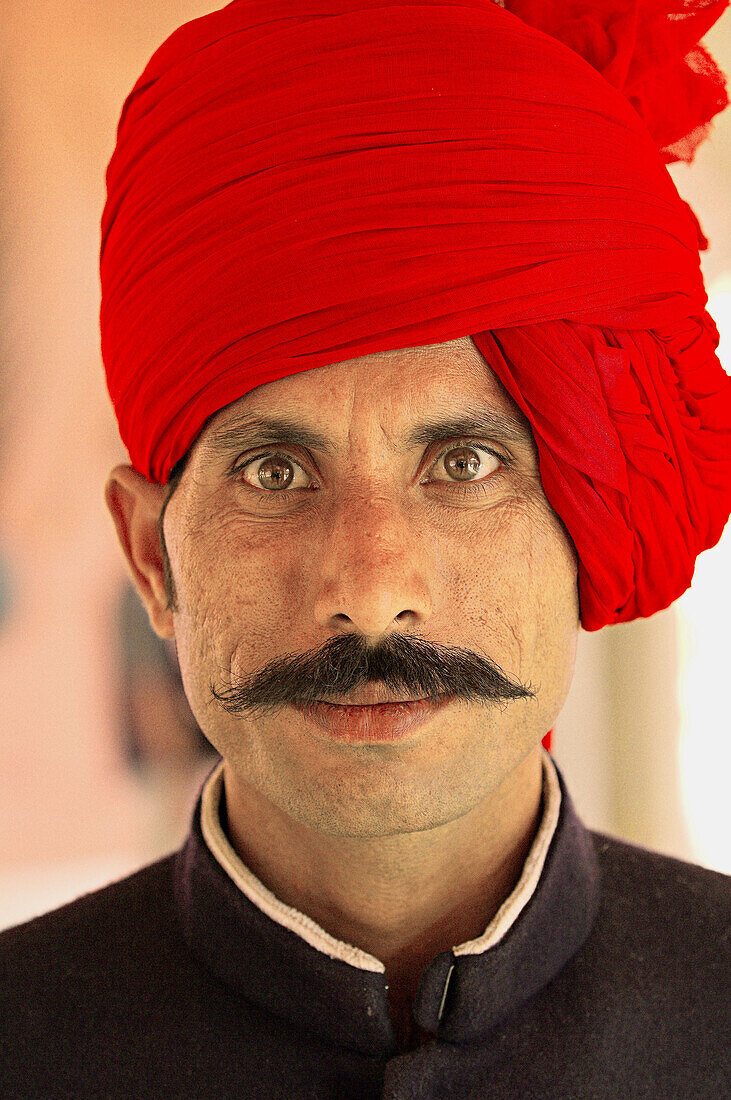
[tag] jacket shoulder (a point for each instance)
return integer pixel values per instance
(95, 995)
(638, 878)
(127, 896)
(87, 941)
(663, 927)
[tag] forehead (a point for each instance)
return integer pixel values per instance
(399, 390)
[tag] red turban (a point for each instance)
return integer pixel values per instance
(296, 184)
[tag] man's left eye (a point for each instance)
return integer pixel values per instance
(462, 461)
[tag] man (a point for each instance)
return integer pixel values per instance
(374, 565)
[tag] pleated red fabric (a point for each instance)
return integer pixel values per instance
(297, 183)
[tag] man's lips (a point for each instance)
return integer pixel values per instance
(389, 721)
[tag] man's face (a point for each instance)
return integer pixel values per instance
(374, 537)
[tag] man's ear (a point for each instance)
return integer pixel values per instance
(134, 504)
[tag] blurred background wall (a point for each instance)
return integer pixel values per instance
(101, 758)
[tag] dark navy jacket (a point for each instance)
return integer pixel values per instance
(612, 983)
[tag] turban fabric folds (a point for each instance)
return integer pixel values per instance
(297, 184)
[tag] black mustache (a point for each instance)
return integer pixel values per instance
(404, 663)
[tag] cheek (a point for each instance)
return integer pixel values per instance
(235, 588)
(554, 595)
(518, 586)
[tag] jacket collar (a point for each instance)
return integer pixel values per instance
(285, 963)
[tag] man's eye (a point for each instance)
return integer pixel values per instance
(277, 472)
(465, 464)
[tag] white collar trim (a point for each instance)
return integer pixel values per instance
(308, 929)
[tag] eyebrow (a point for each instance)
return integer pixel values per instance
(252, 430)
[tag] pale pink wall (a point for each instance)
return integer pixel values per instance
(66, 67)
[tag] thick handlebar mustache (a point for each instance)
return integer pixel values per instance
(404, 663)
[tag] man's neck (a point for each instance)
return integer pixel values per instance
(403, 898)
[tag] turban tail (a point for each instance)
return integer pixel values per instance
(297, 184)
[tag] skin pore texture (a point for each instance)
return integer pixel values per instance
(405, 849)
